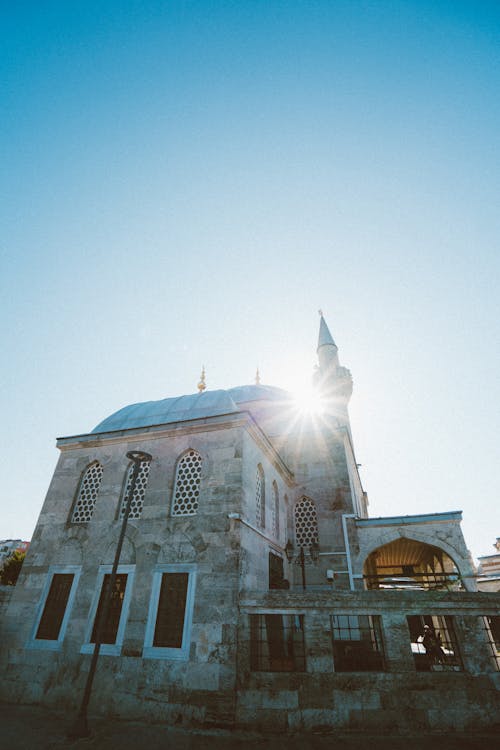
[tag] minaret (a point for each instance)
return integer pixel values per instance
(333, 381)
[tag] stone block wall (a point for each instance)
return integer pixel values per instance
(399, 699)
(128, 684)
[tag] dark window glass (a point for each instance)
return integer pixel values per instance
(108, 635)
(171, 610)
(55, 607)
(277, 643)
(275, 571)
(357, 643)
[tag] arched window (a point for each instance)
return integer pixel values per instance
(187, 484)
(260, 498)
(87, 493)
(139, 490)
(276, 511)
(306, 523)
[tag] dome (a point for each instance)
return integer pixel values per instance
(194, 406)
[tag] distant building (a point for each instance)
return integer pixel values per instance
(489, 570)
(254, 590)
(9, 546)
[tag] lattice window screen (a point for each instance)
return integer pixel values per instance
(276, 511)
(140, 488)
(260, 498)
(89, 487)
(187, 485)
(306, 523)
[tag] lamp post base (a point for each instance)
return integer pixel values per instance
(79, 729)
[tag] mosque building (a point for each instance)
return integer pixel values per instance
(253, 589)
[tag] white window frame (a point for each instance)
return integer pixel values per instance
(109, 649)
(162, 652)
(54, 645)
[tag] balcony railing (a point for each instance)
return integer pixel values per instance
(416, 582)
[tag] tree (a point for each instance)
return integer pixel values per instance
(12, 567)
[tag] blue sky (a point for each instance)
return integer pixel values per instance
(185, 183)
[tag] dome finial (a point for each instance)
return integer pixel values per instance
(201, 385)
(320, 312)
(257, 377)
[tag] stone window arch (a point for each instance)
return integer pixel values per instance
(260, 497)
(306, 523)
(186, 494)
(87, 493)
(275, 510)
(140, 488)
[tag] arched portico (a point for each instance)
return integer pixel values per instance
(409, 563)
(427, 548)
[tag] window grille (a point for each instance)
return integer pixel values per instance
(492, 627)
(87, 495)
(187, 484)
(55, 607)
(260, 498)
(110, 628)
(276, 511)
(140, 488)
(433, 643)
(357, 643)
(306, 523)
(277, 643)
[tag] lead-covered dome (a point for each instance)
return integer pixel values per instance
(194, 406)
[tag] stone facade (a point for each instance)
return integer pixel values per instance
(256, 592)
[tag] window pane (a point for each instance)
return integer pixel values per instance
(433, 643)
(171, 610)
(277, 643)
(115, 608)
(357, 643)
(55, 607)
(492, 626)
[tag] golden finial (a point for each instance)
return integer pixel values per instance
(201, 384)
(320, 312)
(257, 377)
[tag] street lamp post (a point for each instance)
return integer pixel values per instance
(80, 727)
(301, 559)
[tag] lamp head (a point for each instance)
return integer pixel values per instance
(139, 456)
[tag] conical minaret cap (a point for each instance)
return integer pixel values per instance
(325, 338)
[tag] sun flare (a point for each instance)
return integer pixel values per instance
(308, 401)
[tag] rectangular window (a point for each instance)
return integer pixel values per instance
(276, 576)
(168, 631)
(277, 643)
(171, 610)
(110, 629)
(55, 607)
(357, 643)
(492, 628)
(114, 629)
(433, 643)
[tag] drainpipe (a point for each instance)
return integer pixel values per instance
(347, 547)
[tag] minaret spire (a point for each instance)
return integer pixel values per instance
(332, 379)
(327, 348)
(325, 338)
